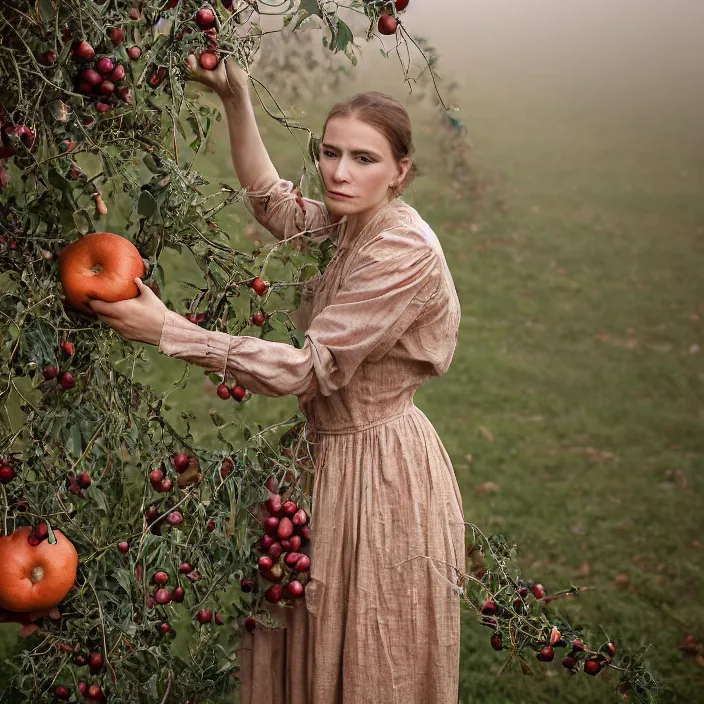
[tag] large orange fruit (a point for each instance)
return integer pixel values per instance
(100, 266)
(35, 577)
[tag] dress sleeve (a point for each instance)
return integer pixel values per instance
(282, 210)
(391, 280)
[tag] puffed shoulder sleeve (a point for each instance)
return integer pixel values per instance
(391, 279)
(281, 209)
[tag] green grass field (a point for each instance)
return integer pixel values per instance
(576, 388)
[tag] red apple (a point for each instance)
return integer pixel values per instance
(180, 461)
(134, 52)
(274, 594)
(303, 563)
(259, 286)
(208, 60)
(175, 518)
(546, 654)
(160, 578)
(271, 525)
(223, 391)
(178, 595)
(204, 616)
(7, 474)
(118, 74)
(259, 318)
(205, 18)
(117, 35)
(592, 666)
(156, 476)
(238, 392)
(387, 24)
(105, 65)
(300, 517)
(67, 381)
(84, 51)
(95, 662)
(162, 596)
(295, 589)
(123, 547)
(184, 568)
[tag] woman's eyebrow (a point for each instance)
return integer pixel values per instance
(356, 152)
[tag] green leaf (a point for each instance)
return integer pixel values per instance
(123, 578)
(39, 342)
(311, 7)
(341, 37)
(146, 206)
(82, 221)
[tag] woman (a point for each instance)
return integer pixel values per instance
(380, 623)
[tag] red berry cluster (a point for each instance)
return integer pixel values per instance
(237, 392)
(283, 562)
(100, 76)
(51, 371)
(207, 21)
(162, 483)
(95, 663)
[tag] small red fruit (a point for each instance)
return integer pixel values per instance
(205, 18)
(274, 594)
(271, 525)
(305, 532)
(208, 60)
(95, 692)
(285, 529)
(546, 654)
(102, 107)
(295, 589)
(134, 52)
(275, 551)
(247, 585)
(219, 620)
(259, 318)
(592, 666)
(223, 391)
(266, 542)
(165, 628)
(160, 578)
(227, 467)
(7, 474)
(538, 591)
(489, 608)
(211, 526)
(67, 381)
(238, 392)
(151, 514)
(175, 518)
(274, 505)
(95, 662)
(180, 461)
(295, 542)
(82, 689)
(289, 508)
(178, 595)
(259, 286)
(300, 517)
(569, 662)
(107, 88)
(68, 348)
(184, 568)
(84, 51)
(48, 58)
(162, 596)
(303, 563)
(387, 24)
(166, 485)
(577, 644)
(105, 65)
(118, 74)
(123, 547)
(134, 13)
(117, 36)
(250, 623)
(265, 562)
(497, 642)
(84, 480)
(204, 616)
(156, 476)
(61, 692)
(401, 5)
(292, 558)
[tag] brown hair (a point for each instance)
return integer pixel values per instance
(388, 116)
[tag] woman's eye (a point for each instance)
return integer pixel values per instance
(328, 154)
(366, 160)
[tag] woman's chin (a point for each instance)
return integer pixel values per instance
(340, 208)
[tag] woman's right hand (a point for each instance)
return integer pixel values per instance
(227, 79)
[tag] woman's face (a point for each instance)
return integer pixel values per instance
(357, 167)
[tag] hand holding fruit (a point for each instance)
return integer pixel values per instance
(228, 78)
(139, 319)
(26, 620)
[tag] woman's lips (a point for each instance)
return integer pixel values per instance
(341, 196)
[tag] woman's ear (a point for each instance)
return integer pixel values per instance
(404, 167)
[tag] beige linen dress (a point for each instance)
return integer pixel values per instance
(381, 618)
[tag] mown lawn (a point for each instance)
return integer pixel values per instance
(573, 409)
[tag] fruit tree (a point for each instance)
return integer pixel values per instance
(131, 557)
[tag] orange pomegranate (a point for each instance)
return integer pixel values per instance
(100, 266)
(35, 577)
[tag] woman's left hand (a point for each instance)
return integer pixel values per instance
(140, 319)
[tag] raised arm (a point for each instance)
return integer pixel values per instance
(249, 155)
(274, 202)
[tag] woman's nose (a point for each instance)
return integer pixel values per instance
(340, 173)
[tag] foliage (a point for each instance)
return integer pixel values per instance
(72, 156)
